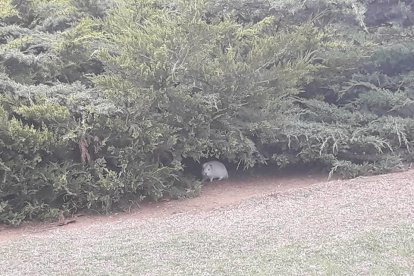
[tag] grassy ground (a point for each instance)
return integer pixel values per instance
(358, 227)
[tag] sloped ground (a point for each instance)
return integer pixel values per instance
(214, 195)
(361, 226)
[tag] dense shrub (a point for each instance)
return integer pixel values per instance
(103, 102)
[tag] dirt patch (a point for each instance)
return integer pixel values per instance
(214, 195)
(361, 226)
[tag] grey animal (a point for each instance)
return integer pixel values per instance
(214, 169)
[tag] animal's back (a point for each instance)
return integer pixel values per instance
(215, 169)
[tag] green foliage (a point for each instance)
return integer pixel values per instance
(6, 9)
(103, 102)
(245, 69)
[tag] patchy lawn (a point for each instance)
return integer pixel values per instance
(361, 226)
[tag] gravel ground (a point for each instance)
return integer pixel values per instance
(363, 226)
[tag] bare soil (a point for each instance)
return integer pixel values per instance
(214, 195)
